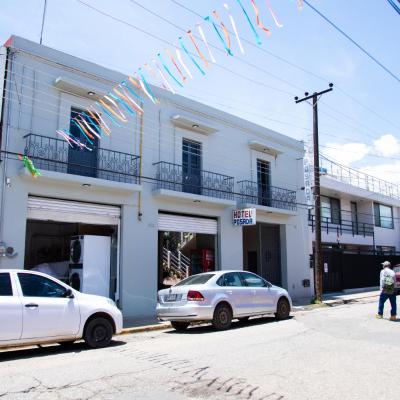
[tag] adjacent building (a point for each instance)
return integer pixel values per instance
(153, 201)
(360, 221)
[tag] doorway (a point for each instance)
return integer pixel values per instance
(82, 161)
(262, 251)
(191, 167)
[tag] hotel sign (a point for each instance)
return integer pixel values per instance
(245, 216)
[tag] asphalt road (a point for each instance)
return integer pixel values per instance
(331, 353)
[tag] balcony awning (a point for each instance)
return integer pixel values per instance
(192, 125)
(76, 88)
(264, 148)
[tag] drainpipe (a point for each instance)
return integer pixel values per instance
(139, 215)
(8, 102)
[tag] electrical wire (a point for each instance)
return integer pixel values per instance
(352, 41)
(300, 68)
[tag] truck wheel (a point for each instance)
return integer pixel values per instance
(222, 319)
(180, 326)
(98, 333)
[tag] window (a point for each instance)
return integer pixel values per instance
(253, 280)
(330, 210)
(39, 286)
(5, 285)
(191, 166)
(383, 216)
(230, 279)
(195, 280)
(264, 182)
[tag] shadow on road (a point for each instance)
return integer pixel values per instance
(207, 328)
(46, 350)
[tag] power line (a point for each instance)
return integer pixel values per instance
(296, 66)
(352, 41)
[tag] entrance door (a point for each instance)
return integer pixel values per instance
(270, 254)
(191, 167)
(264, 183)
(46, 312)
(10, 310)
(82, 161)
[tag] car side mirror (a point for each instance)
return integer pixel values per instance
(68, 294)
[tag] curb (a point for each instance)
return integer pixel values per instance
(145, 328)
(308, 307)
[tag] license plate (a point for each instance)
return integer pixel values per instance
(172, 297)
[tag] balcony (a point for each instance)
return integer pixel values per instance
(344, 224)
(177, 178)
(57, 155)
(271, 196)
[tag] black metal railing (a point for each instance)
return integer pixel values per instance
(57, 155)
(189, 180)
(270, 196)
(340, 225)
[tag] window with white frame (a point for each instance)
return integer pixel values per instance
(383, 216)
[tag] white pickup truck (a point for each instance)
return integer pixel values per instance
(36, 308)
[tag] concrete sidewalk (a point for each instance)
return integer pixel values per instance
(136, 325)
(332, 299)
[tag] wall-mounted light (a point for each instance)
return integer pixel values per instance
(91, 93)
(196, 201)
(86, 185)
(195, 126)
(7, 251)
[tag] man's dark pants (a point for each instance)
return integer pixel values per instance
(382, 300)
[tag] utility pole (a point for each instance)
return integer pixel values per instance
(317, 192)
(43, 18)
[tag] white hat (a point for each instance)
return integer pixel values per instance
(386, 264)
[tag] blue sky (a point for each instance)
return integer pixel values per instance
(366, 138)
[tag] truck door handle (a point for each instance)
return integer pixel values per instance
(31, 305)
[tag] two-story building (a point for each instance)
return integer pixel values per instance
(360, 221)
(150, 202)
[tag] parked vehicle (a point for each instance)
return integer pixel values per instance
(36, 308)
(396, 270)
(220, 297)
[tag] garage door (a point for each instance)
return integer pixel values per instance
(181, 223)
(46, 209)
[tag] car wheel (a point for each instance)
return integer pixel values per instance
(243, 319)
(222, 317)
(98, 333)
(180, 326)
(282, 309)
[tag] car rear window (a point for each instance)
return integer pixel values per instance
(195, 280)
(5, 284)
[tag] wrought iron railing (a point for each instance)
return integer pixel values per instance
(189, 180)
(358, 179)
(344, 222)
(56, 155)
(270, 196)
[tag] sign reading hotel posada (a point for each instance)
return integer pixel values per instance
(245, 216)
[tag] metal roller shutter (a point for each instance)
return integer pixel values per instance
(45, 209)
(180, 223)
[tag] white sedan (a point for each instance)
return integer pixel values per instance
(36, 308)
(220, 297)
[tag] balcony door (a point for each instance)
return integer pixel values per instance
(82, 161)
(354, 217)
(191, 167)
(264, 183)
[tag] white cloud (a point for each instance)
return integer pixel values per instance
(387, 145)
(388, 172)
(347, 153)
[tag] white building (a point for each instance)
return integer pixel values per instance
(360, 221)
(161, 189)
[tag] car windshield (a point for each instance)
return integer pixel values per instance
(195, 280)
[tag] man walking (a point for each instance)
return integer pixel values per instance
(387, 279)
